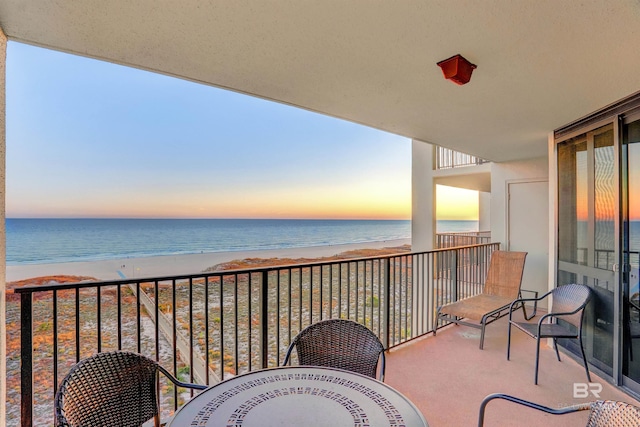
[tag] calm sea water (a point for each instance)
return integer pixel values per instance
(40, 241)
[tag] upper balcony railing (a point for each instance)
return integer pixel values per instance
(446, 158)
(211, 326)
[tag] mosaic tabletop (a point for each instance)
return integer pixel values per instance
(290, 396)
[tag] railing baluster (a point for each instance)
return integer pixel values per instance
(222, 334)
(311, 281)
(55, 341)
(300, 298)
(264, 319)
(357, 275)
(340, 290)
(321, 286)
(119, 314)
(348, 290)
(290, 321)
(77, 307)
(278, 316)
(250, 318)
(206, 336)
(174, 341)
(26, 359)
(235, 323)
(387, 296)
(99, 318)
(330, 291)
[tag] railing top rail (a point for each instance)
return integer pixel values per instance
(104, 283)
(448, 233)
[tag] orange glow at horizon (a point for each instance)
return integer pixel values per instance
(350, 202)
(456, 203)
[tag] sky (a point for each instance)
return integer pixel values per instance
(87, 138)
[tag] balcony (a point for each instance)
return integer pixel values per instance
(251, 316)
(446, 158)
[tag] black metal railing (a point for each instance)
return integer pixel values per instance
(446, 158)
(207, 327)
(452, 240)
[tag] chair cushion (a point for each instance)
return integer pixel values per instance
(477, 306)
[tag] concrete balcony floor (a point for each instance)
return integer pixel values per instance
(447, 376)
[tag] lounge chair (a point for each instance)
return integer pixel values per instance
(501, 288)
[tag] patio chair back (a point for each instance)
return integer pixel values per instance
(505, 274)
(609, 413)
(339, 343)
(111, 389)
(602, 413)
(570, 298)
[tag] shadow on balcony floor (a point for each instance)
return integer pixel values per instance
(447, 377)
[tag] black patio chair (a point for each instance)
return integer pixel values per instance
(339, 343)
(604, 413)
(111, 389)
(567, 304)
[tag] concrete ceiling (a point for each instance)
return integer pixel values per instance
(541, 63)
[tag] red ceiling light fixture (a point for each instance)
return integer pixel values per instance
(457, 69)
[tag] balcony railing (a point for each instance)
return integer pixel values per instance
(446, 158)
(208, 327)
(452, 240)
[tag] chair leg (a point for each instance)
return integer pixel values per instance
(555, 346)
(537, 359)
(524, 311)
(435, 321)
(584, 358)
(482, 335)
(509, 341)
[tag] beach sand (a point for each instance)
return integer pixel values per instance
(170, 265)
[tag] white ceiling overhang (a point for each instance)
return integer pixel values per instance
(541, 64)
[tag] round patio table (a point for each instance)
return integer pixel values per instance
(297, 396)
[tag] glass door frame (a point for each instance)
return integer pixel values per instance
(587, 271)
(623, 120)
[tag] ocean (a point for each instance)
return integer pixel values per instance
(44, 241)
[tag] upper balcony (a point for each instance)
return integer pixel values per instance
(214, 325)
(455, 169)
(445, 158)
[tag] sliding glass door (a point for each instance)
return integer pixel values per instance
(587, 238)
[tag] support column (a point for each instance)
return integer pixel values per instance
(484, 211)
(3, 244)
(423, 205)
(423, 226)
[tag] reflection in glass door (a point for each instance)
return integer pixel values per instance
(631, 250)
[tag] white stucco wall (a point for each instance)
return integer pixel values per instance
(423, 214)
(484, 211)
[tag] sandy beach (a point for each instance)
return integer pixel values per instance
(126, 268)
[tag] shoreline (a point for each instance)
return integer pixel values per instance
(172, 265)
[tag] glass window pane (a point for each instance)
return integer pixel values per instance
(572, 210)
(604, 198)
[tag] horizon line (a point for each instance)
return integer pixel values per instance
(230, 218)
